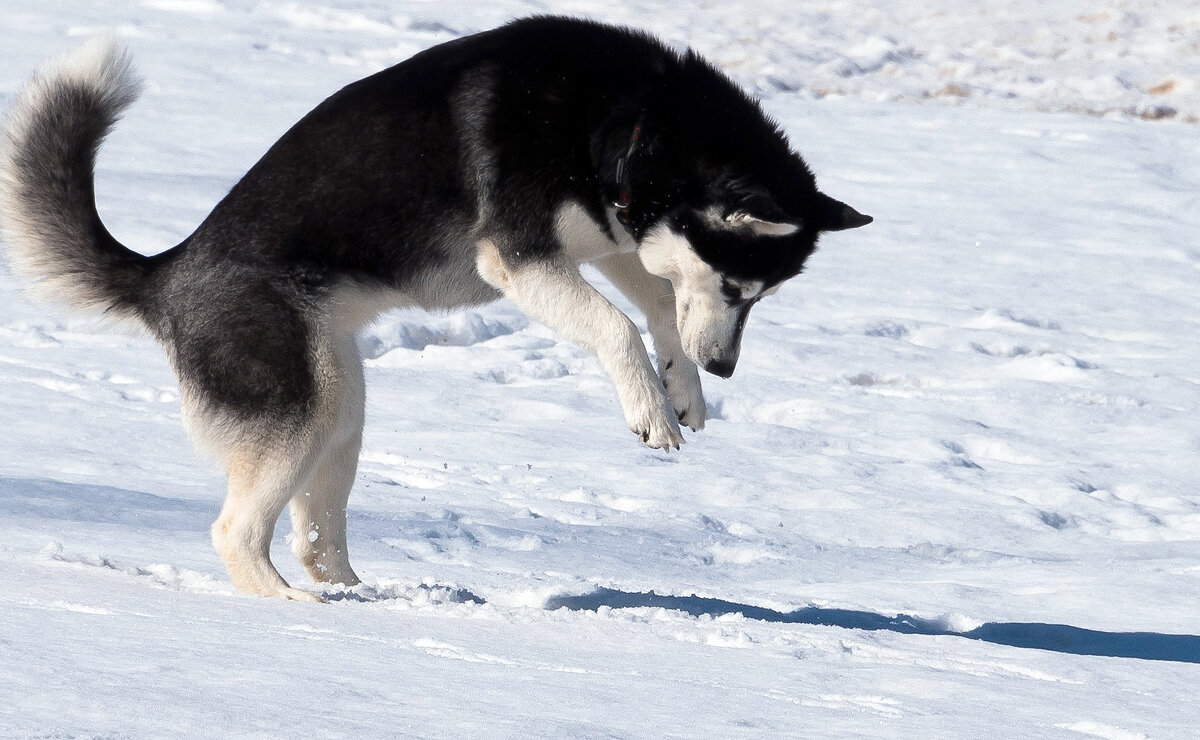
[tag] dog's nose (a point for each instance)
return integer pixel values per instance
(721, 368)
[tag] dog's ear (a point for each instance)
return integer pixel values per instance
(764, 227)
(751, 206)
(834, 215)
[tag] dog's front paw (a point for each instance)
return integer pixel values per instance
(681, 379)
(656, 426)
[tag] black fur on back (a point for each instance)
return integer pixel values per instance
(370, 183)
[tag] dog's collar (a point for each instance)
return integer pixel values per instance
(624, 188)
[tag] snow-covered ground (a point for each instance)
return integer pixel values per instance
(951, 492)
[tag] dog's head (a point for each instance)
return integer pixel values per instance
(716, 199)
(724, 255)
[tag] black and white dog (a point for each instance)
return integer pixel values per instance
(489, 166)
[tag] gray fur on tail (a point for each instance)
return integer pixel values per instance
(48, 217)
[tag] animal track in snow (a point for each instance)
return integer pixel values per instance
(1000, 318)
(888, 330)
(158, 575)
(24, 334)
(534, 366)
(461, 329)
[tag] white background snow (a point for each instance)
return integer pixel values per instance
(978, 413)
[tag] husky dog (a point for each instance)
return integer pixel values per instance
(489, 166)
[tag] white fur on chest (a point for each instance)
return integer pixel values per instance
(584, 240)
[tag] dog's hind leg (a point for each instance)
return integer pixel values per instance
(655, 298)
(279, 442)
(262, 479)
(318, 511)
(319, 517)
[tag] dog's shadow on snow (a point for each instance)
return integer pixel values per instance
(1060, 638)
(56, 500)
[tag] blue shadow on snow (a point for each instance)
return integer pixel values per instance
(1059, 638)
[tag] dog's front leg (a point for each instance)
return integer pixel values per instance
(655, 298)
(554, 293)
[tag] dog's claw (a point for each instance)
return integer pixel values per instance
(652, 418)
(663, 440)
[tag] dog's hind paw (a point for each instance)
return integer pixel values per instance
(298, 594)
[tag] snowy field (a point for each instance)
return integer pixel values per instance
(950, 493)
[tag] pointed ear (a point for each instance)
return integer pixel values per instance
(834, 215)
(771, 228)
(763, 227)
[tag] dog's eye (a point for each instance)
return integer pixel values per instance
(732, 292)
(737, 294)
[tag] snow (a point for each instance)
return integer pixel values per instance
(951, 491)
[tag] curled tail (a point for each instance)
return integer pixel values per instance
(48, 217)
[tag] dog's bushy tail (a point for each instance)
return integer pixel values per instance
(48, 217)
